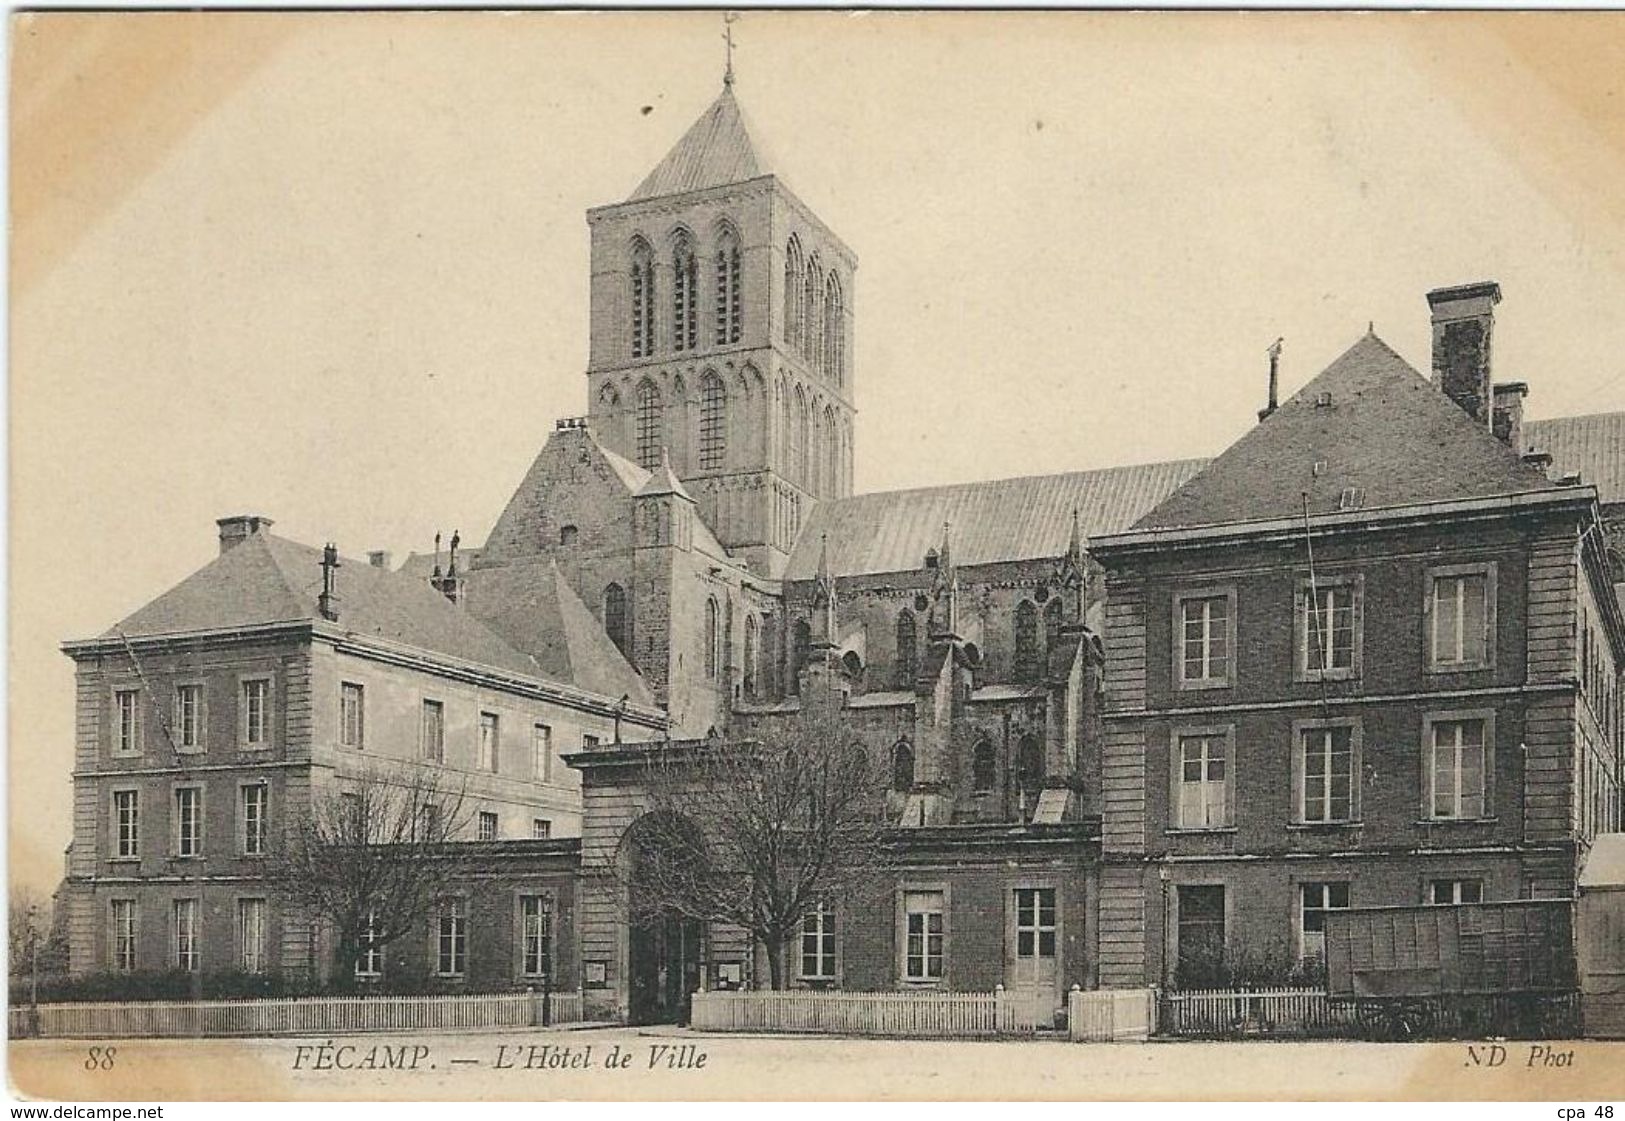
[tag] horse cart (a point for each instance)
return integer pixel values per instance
(1471, 970)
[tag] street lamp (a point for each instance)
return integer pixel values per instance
(1162, 875)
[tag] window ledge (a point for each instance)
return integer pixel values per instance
(1323, 826)
(1192, 686)
(1314, 677)
(124, 860)
(1457, 820)
(1451, 668)
(1194, 831)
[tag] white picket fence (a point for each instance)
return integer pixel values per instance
(1229, 1012)
(292, 1016)
(1111, 1015)
(938, 1014)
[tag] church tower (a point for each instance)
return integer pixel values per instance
(721, 333)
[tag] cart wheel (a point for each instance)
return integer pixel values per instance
(1413, 1020)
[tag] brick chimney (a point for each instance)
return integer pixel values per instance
(1463, 321)
(235, 530)
(1508, 422)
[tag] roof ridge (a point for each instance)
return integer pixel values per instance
(1169, 463)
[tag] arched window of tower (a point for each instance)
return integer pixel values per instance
(649, 424)
(713, 422)
(642, 299)
(728, 297)
(834, 328)
(792, 293)
(800, 437)
(832, 452)
(615, 618)
(811, 292)
(685, 318)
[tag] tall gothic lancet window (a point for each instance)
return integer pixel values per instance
(831, 450)
(729, 303)
(1052, 625)
(902, 767)
(800, 646)
(908, 661)
(615, 617)
(792, 294)
(1026, 660)
(713, 423)
(834, 329)
(800, 438)
(643, 300)
(751, 646)
(649, 424)
(685, 318)
(811, 290)
(710, 638)
(984, 768)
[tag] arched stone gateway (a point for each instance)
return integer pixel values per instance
(665, 947)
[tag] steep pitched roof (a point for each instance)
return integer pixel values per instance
(663, 480)
(1592, 445)
(716, 150)
(532, 605)
(269, 579)
(1385, 430)
(1001, 520)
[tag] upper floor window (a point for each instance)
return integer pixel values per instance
(615, 619)
(432, 731)
(1445, 893)
(541, 752)
(902, 767)
(649, 422)
(126, 721)
(254, 799)
(256, 718)
(188, 821)
(1326, 762)
(1458, 766)
(984, 768)
(713, 422)
(792, 293)
(1204, 638)
(490, 748)
(685, 317)
(1460, 612)
(811, 289)
(126, 824)
(729, 303)
(487, 826)
(189, 717)
(908, 663)
(834, 332)
(540, 828)
(1026, 636)
(352, 715)
(818, 944)
(1328, 628)
(1202, 786)
(643, 300)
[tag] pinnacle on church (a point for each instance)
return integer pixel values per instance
(716, 150)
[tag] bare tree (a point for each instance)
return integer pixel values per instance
(28, 920)
(759, 833)
(374, 856)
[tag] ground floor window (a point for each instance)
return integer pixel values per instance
(1446, 892)
(1199, 960)
(251, 935)
(1035, 922)
(535, 936)
(451, 938)
(926, 935)
(818, 945)
(1317, 900)
(369, 960)
(186, 948)
(124, 935)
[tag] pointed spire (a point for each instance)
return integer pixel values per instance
(716, 150)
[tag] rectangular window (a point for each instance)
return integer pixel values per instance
(1204, 639)
(589, 742)
(818, 945)
(1035, 922)
(1326, 769)
(256, 720)
(1199, 958)
(1328, 629)
(1203, 781)
(186, 947)
(126, 715)
(541, 752)
(432, 732)
(124, 935)
(188, 821)
(1317, 900)
(189, 717)
(925, 930)
(535, 936)
(451, 934)
(369, 960)
(1448, 892)
(254, 799)
(541, 828)
(1460, 612)
(487, 826)
(251, 935)
(1457, 766)
(429, 824)
(126, 824)
(489, 747)
(352, 716)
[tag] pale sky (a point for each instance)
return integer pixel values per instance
(333, 268)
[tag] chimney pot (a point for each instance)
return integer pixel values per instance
(239, 528)
(1463, 323)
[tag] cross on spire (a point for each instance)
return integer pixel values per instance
(728, 37)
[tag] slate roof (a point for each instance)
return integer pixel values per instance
(1386, 431)
(269, 579)
(716, 150)
(531, 604)
(1001, 520)
(1592, 445)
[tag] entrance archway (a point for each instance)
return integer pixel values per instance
(665, 945)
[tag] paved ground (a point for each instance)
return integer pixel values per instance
(622, 1063)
